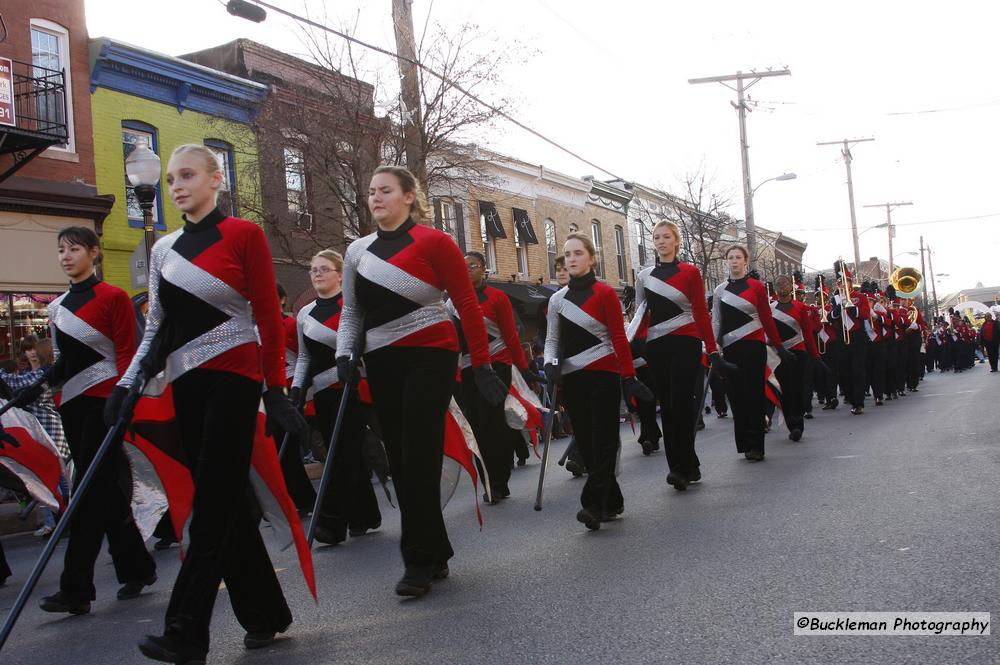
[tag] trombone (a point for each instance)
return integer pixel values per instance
(823, 320)
(845, 301)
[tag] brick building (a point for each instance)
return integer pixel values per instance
(142, 97)
(319, 143)
(46, 157)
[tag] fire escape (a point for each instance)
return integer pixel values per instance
(38, 101)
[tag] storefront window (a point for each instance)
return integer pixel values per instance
(22, 314)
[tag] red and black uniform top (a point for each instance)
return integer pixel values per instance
(916, 326)
(855, 314)
(586, 330)
(291, 346)
(794, 322)
(209, 284)
(900, 321)
(670, 299)
(741, 311)
(93, 334)
(501, 330)
(316, 365)
(394, 286)
(879, 324)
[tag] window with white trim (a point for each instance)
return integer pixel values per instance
(595, 230)
(449, 219)
(489, 247)
(521, 249)
(640, 236)
(620, 252)
(295, 187)
(50, 53)
(227, 194)
(550, 247)
(135, 134)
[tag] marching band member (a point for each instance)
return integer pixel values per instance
(794, 323)
(672, 295)
(350, 504)
(742, 321)
(587, 348)
(876, 326)
(494, 436)
(913, 337)
(93, 329)
(393, 313)
(209, 283)
(989, 337)
(851, 316)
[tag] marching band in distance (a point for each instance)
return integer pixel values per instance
(402, 325)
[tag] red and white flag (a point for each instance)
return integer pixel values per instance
(27, 451)
(523, 410)
(460, 452)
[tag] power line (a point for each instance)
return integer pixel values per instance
(970, 218)
(435, 74)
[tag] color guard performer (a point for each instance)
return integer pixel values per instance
(794, 323)
(393, 314)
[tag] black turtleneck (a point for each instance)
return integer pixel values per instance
(582, 283)
(400, 230)
(85, 284)
(210, 221)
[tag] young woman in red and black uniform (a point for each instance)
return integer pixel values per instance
(672, 294)
(587, 349)
(209, 283)
(741, 319)
(93, 329)
(793, 319)
(393, 313)
(350, 503)
(494, 436)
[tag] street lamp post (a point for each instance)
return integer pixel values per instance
(143, 170)
(751, 228)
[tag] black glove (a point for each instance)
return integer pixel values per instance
(27, 395)
(552, 373)
(490, 385)
(786, 356)
(281, 414)
(852, 311)
(720, 365)
(637, 390)
(531, 377)
(295, 397)
(56, 372)
(347, 371)
(119, 403)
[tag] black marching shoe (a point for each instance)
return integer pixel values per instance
(168, 650)
(416, 581)
(693, 476)
(131, 590)
(808, 415)
(440, 571)
(795, 435)
(647, 447)
(325, 535)
(858, 410)
(258, 640)
(754, 455)
(830, 405)
(678, 481)
(521, 461)
(588, 519)
(721, 414)
(358, 531)
(62, 603)
(879, 402)
(575, 468)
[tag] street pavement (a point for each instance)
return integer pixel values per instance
(892, 510)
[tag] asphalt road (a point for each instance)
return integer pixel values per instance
(892, 510)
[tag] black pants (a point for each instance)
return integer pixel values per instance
(411, 388)
(875, 363)
(592, 399)
(808, 382)
(217, 417)
(912, 360)
(678, 378)
(649, 430)
(104, 510)
(991, 352)
(826, 372)
(490, 427)
(296, 480)
(350, 500)
(931, 356)
(745, 389)
(853, 379)
(792, 376)
(5, 571)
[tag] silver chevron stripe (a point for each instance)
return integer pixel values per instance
(675, 296)
(290, 359)
(324, 379)
(78, 329)
(666, 327)
(398, 280)
(792, 323)
(747, 308)
(573, 313)
(387, 333)
(231, 333)
(633, 325)
(315, 330)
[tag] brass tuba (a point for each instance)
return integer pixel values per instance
(908, 282)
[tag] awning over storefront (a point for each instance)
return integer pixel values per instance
(532, 295)
(494, 227)
(523, 226)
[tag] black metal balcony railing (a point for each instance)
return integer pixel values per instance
(39, 115)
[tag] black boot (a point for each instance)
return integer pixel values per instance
(416, 580)
(167, 650)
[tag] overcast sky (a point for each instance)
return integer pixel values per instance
(609, 81)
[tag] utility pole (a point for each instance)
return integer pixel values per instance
(741, 110)
(923, 271)
(409, 83)
(846, 152)
(930, 266)
(888, 222)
